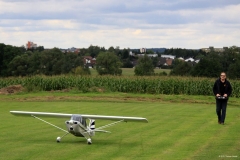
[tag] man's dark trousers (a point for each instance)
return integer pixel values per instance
(221, 107)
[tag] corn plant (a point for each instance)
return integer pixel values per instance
(128, 84)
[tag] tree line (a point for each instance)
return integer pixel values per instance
(17, 61)
(211, 64)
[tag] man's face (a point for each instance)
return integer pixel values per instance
(223, 76)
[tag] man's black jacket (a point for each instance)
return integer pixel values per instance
(227, 88)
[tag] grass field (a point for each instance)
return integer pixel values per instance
(130, 71)
(180, 127)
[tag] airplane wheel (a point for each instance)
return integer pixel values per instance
(58, 139)
(89, 141)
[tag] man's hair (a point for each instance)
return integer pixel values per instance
(223, 73)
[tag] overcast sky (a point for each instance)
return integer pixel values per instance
(190, 24)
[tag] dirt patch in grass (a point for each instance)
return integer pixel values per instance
(100, 98)
(11, 89)
(114, 97)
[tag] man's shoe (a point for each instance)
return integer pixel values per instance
(222, 123)
(219, 122)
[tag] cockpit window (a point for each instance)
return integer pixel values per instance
(78, 118)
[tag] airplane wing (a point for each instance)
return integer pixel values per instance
(64, 115)
(126, 119)
(42, 114)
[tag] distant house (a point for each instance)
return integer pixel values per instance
(189, 60)
(73, 50)
(31, 45)
(152, 55)
(168, 56)
(143, 50)
(219, 50)
(149, 55)
(165, 62)
(180, 58)
(63, 50)
(169, 61)
(131, 53)
(89, 61)
(198, 60)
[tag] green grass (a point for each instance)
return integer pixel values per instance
(130, 71)
(180, 127)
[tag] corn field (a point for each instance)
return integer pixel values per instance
(127, 84)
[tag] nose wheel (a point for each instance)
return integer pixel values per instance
(89, 141)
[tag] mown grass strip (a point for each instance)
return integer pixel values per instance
(175, 131)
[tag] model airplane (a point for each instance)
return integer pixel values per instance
(77, 125)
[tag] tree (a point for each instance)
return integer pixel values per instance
(81, 71)
(144, 66)
(71, 60)
(108, 63)
(33, 66)
(185, 53)
(155, 61)
(7, 54)
(181, 68)
(208, 67)
(127, 63)
(19, 65)
(150, 52)
(111, 49)
(125, 53)
(234, 70)
(51, 61)
(2, 46)
(40, 48)
(93, 51)
(229, 56)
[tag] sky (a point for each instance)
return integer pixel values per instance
(190, 24)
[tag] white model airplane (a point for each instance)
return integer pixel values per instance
(77, 125)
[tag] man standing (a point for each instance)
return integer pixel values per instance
(222, 89)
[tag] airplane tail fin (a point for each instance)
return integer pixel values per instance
(91, 127)
(92, 124)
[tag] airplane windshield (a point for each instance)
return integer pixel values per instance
(78, 118)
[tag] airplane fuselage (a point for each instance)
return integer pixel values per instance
(77, 126)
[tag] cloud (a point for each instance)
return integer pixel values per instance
(134, 24)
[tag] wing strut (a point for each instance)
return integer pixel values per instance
(108, 125)
(50, 123)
